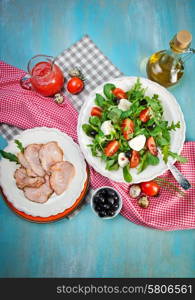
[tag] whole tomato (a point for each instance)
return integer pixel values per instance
(150, 188)
(75, 85)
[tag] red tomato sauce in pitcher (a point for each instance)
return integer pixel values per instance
(47, 78)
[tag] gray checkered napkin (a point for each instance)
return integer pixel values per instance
(95, 66)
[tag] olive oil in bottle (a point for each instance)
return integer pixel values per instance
(167, 66)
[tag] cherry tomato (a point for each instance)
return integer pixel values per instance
(119, 93)
(127, 128)
(96, 111)
(135, 159)
(145, 115)
(111, 148)
(151, 145)
(150, 188)
(75, 85)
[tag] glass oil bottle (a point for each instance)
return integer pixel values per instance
(167, 66)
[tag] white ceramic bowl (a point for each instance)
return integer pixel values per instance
(172, 112)
(117, 211)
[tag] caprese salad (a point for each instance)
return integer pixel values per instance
(127, 128)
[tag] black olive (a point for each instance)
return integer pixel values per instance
(111, 213)
(151, 126)
(143, 102)
(115, 206)
(101, 200)
(128, 154)
(116, 100)
(93, 133)
(111, 193)
(103, 192)
(110, 200)
(97, 208)
(106, 206)
(116, 199)
(96, 199)
(102, 214)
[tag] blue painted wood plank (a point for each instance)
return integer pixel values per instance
(127, 32)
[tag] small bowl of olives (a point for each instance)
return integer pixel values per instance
(106, 202)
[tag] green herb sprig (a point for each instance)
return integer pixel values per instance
(10, 156)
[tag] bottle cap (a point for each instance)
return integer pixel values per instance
(181, 41)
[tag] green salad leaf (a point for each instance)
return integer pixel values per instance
(95, 121)
(126, 174)
(174, 126)
(100, 101)
(108, 88)
(112, 165)
(87, 129)
(146, 160)
(178, 157)
(114, 115)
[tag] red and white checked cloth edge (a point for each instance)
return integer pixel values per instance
(26, 109)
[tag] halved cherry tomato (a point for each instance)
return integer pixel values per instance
(75, 85)
(150, 188)
(119, 93)
(127, 128)
(96, 111)
(145, 115)
(111, 148)
(135, 159)
(151, 145)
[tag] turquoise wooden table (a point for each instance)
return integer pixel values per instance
(127, 31)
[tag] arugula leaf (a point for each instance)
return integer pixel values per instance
(95, 121)
(137, 92)
(165, 153)
(126, 114)
(112, 165)
(146, 160)
(143, 164)
(108, 90)
(152, 160)
(178, 157)
(19, 145)
(126, 174)
(115, 115)
(174, 126)
(115, 167)
(94, 149)
(161, 141)
(10, 156)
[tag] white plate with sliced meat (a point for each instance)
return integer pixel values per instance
(50, 176)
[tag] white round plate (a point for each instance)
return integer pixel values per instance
(172, 112)
(55, 204)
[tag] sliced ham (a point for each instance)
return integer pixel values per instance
(62, 174)
(31, 154)
(23, 180)
(25, 164)
(41, 194)
(49, 154)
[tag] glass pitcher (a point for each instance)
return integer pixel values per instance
(44, 76)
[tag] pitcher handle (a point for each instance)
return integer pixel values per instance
(25, 82)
